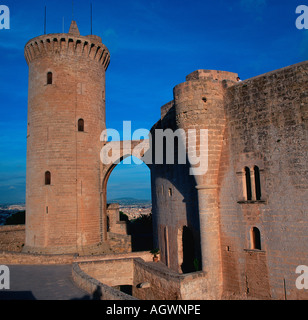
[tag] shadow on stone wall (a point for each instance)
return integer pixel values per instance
(141, 231)
(182, 213)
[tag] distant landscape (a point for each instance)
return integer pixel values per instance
(8, 210)
(133, 208)
(129, 201)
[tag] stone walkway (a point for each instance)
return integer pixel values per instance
(37, 282)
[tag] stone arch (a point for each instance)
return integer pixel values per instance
(107, 170)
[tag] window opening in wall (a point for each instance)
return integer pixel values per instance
(255, 238)
(47, 178)
(81, 125)
(248, 183)
(257, 182)
(49, 78)
(170, 192)
(188, 250)
(166, 246)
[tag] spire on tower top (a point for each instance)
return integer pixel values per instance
(74, 29)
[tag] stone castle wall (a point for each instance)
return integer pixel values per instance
(267, 127)
(12, 238)
(260, 122)
(185, 204)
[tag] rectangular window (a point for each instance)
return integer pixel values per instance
(49, 78)
(80, 125)
(47, 178)
(170, 192)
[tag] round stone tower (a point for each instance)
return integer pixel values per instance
(66, 115)
(186, 196)
(199, 105)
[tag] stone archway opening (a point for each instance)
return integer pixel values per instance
(129, 180)
(126, 203)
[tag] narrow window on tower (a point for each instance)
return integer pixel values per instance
(248, 184)
(49, 78)
(80, 125)
(255, 238)
(257, 182)
(47, 178)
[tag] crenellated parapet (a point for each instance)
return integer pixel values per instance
(89, 47)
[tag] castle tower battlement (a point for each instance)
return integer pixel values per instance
(214, 75)
(90, 47)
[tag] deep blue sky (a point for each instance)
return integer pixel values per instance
(154, 44)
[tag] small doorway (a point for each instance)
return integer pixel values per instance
(188, 250)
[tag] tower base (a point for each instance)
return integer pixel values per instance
(99, 248)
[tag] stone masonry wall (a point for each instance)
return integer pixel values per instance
(12, 238)
(264, 132)
(267, 122)
(110, 272)
(119, 243)
(161, 283)
(149, 280)
(95, 287)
